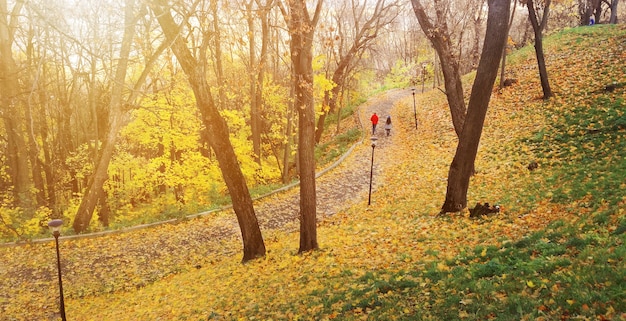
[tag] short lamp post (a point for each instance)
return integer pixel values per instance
(369, 198)
(55, 228)
(414, 108)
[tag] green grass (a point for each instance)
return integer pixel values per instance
(565, 270)
(329, 152)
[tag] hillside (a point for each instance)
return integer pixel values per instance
(556, 251)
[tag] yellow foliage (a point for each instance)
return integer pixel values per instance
(167, 278)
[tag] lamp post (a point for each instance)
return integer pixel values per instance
(55, 227)
(414, 108)
(369, 197)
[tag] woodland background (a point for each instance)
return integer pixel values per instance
(67, 103)
(555, 251)
(124, 112)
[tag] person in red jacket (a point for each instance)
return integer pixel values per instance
(374, 120)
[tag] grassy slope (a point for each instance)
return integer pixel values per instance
(557, 250)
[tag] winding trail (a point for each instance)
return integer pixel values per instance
(339, 188)
(346, 184)
(127, 260)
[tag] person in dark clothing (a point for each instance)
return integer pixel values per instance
(388, 125)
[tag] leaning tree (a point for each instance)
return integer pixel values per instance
(219, 140)
(462, 165)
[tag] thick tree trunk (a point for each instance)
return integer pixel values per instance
(439, 36)
(302, 55)
(463, 163)
(301, 30)
(219, 139)
(104, 211)
(598, 10)
(538, 29)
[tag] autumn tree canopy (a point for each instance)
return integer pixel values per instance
(99, 119)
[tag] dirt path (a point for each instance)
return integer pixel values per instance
(346, 184)
(339, 188)
(127, 261)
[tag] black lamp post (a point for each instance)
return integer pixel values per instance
(414, 108)
(55, 227)
(369, 197)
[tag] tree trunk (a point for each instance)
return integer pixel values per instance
(255, 114)
(104, 211)
(96, 181)
(50, 174)
(613, 18)
(217, 45)
(265, 38)
(538, 29)
(508, 29)
(34, 149)
(34, 154)
(478, 23)
(330, 97)
(598, 10)
(463, 163)
(586, 9)
(219, 139)
(301, 30)
(17, 155)
(288, 135)
(439, 36)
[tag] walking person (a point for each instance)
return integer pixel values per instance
(374, 120)
(388, 125)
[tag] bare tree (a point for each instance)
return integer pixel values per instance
(535, 6)
(301, 27)
(366, 23)
(462, 165)
(439, 35)
(503, 64)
